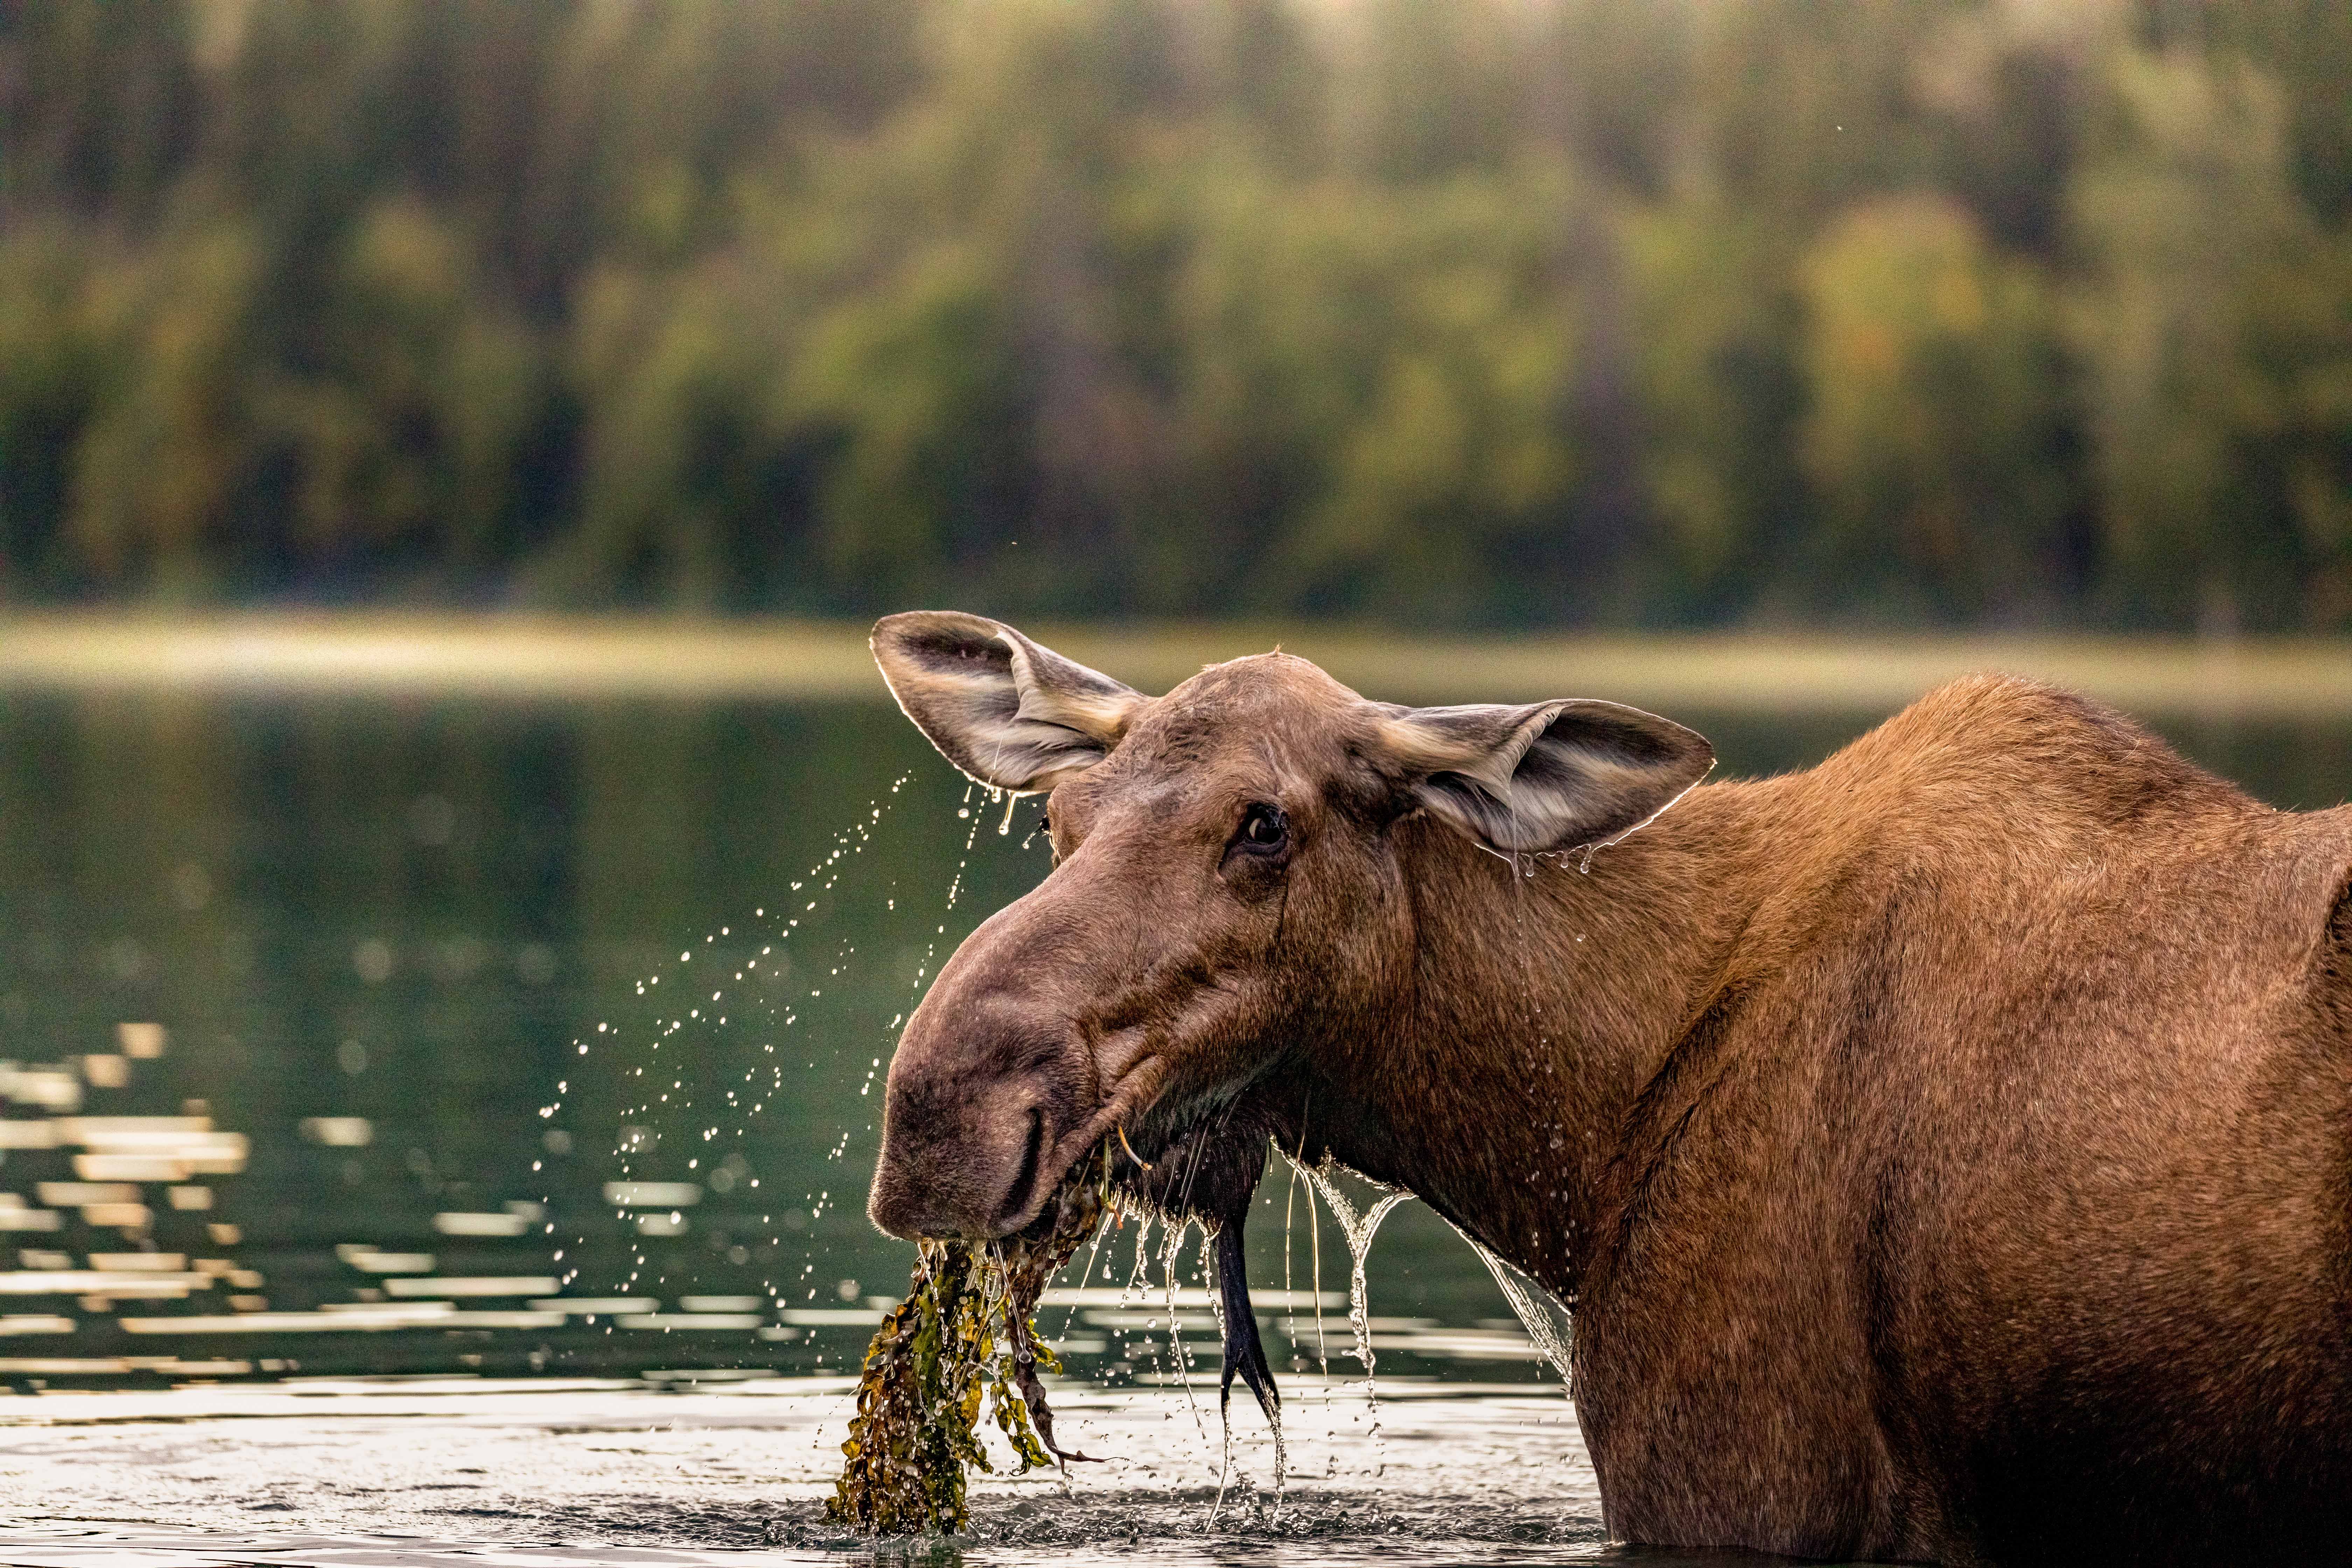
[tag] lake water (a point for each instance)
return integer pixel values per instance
(513, 1069)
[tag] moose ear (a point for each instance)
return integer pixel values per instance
(1553, 775)
(1007, 712)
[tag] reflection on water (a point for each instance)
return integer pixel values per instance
(300, 998)
(402, 1037)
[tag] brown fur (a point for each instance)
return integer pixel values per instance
(1943, 1150)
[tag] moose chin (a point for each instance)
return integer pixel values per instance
(1945, 1154)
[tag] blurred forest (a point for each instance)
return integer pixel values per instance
(1457, 313)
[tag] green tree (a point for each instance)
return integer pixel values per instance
(2305, 46)
(1721, 392)
(48, 385)
(1804, 105)
(404, 428)
(2185, 222)
(1497, 313)
(1388, 373)
(170, 443)
(1933, 440)
(98, 114)
(1422, 91)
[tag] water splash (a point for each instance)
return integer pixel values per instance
(1357, 1230)
(1176, 1231)
(1547, 1323)
(1315, 1253)
(1225, 1467)
(1094, 1251)
(745, 986)
(1224, 1406)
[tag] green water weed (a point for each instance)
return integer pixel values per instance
(966, 1334)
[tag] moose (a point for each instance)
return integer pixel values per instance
(1944, 1153)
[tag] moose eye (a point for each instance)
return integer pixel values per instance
(1263, 827)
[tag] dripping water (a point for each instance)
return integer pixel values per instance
(741, 997)
(1225, 1329)
(1547, 1323)
(1172, 1249)
(1357, 1229)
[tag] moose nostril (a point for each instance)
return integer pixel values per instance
(1026, 1176)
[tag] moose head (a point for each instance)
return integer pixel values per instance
(1229, 902)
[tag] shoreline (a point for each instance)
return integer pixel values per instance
(572, 658)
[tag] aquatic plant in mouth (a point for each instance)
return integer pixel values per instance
(966, 1333)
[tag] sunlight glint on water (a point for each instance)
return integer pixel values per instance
(409, 1051)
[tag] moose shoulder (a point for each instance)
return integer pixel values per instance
(1944, 1151)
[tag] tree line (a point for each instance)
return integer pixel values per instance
(1443, 312)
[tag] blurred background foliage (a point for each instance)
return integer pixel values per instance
(1463, 312)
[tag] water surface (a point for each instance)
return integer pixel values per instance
(366, 1471)
(539, 1045)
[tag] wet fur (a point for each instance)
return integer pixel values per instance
(1945, 1151)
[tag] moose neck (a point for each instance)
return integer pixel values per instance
(1540, 1004)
